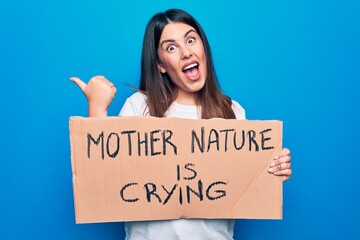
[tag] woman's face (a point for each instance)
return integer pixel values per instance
(182, 57)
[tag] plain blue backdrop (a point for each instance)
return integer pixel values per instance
(296, 61)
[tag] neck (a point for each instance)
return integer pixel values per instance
(186, 98)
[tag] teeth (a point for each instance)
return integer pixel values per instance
(190, 66)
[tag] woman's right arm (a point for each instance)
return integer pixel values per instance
(99, 93)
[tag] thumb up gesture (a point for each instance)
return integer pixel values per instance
(99, 93)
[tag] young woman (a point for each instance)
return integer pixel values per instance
(177, 80)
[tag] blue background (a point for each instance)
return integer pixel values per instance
(297, 61)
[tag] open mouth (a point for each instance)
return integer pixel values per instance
(191, 71)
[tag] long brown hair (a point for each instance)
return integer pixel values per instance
(160, 90)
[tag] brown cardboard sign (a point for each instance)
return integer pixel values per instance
(146, 168)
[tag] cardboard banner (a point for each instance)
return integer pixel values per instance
(145, 168)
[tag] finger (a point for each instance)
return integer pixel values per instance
(279, 167)
(79, 83)
(110, 84)
(98, 77)
(102, 79)
(285, 173)
(285, 159)
(282, 153)
(286, 178)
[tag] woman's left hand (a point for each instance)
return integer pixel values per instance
(281, 165)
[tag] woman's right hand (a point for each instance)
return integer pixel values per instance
(99, 93)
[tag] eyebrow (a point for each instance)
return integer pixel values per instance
(171, 40)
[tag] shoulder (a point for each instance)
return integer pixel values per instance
(238, 110)
(135, 105)
(137, 98)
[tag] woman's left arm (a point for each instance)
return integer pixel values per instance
(281, 166)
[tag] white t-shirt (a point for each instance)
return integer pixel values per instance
(178, 229)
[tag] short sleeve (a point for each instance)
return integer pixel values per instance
(135, 105)
(238, 110)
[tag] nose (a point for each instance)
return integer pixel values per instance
(185, 52)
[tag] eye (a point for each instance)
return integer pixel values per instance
(171, 48)
(190, 40)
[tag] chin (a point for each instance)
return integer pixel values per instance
(198, 88)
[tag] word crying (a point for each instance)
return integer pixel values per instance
(163, 194)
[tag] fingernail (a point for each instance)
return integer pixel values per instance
(270, 170)
(272, 164)
(276, 157)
